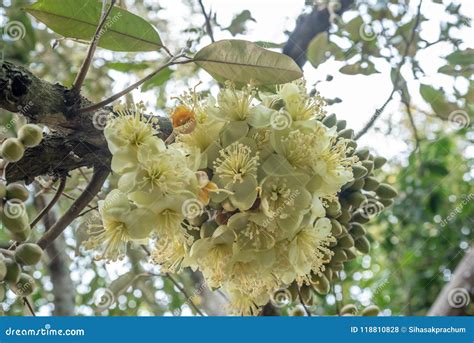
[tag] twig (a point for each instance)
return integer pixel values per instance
(303, 303)
(7, 252)
(380, 110)
(181, 289)
(27, 303)
(92, 47)
(98, 179)
(62, 185)
(171, 61)
(88, 210)
(208, 21)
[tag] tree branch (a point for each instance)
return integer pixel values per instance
(307, 27)
(396, 87)
(208, 21)
(98, 179)
(62, 185)
(76, 88)
(459, 292)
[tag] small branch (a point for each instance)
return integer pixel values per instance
(28, 305)
(208, 21)
(182, 290)
(380, 110)
(92, 47)
(62, 185)
(98, 179)
(94, 107)
(300, 296)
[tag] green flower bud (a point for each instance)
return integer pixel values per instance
(13, 271)
(356, 199)
(357, 230)
(348, 309)
(3, 189)
(330, 120)
(14, 216)
(370, 183)
(334, 209)
(336, 229)
(362, 244)
(28, 254)
(350, 254)
(321, 284)
(30, 135)
(352, 145)
(359, 218)
(306, 294)
(12, 150)
(370, 311)
(386, 202)
(359, 171)
(25, 285)
(345, 242)
(21, 236)
(345, 216)
(17, 191)
(369, 165)
(357, 185)
(328, 273)
(341, 125)
(379, 161)
(337, 267)
(297, 312)
(363, 154)
(339, 255)
(347, 133)
(3, 270)
(386, 191)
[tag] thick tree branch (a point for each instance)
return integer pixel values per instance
(98, 179)
(307, 27)
(459, 292)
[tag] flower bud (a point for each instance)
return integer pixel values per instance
(347, 133)
(359, 171)
(339, 255)
(362, 244)
(321, 284)
(25, 285)
(350, 254)
(330, 120)
(371, 184)
(346, 242)
(12, 150)
(379, 161)
(30, 135)
(360, 218)
(363, 154)
(341, 125)
(369, 165)
(13, 271)
(356, 199)
(336, 229)
(334, 209)
(386, 191)
(386, 202)
(21, 236)
(28, 254)
(370, 311)
(357, 230)
(17, 191)
(349, 309)
(357, 185)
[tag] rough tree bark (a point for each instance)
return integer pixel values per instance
(457, 293)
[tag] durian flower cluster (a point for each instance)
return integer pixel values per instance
(239, 191)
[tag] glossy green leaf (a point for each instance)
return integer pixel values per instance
(243, 62)
(123, 31)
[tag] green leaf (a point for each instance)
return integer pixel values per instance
(437, 100)
(317, 49)
(353, 27)
(126, 67)
(464, 57)
(237, 26)
(157, 80)
(123, 31)
(364, 68)
(242, 61)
